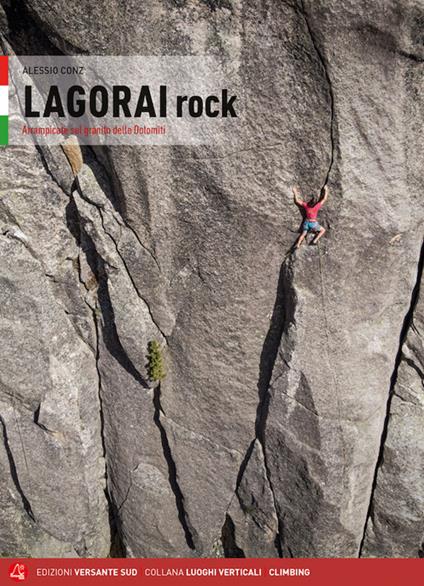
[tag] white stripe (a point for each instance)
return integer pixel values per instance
(4, 100)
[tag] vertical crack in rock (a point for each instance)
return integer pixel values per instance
(330, 88)
(283, 313)
(172, 472)
(73, 223)
(99, 270)
(407, 323)
(130, 485)
(131, 277)
(228, 539)
(14, 473)
(117, 195)
(243, 467)
(127, 270)
(282, 316)
(97, 264)
(114, 346)
(117, 546)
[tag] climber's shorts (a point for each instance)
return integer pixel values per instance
(311, 226)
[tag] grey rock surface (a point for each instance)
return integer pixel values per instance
(396, 524)
(268, 431)
(53, 472)
(252, 523)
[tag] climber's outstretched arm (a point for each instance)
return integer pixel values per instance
(325, 196)
(296, 195)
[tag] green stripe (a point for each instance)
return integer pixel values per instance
(4, 130)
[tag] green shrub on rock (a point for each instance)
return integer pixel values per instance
(156, 366)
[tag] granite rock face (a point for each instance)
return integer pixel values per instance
(396, 526)
(290, 420)
(53, 484)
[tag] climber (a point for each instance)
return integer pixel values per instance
(311, 208)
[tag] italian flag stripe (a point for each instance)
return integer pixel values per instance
(4, 100)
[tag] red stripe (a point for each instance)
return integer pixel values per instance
(4, 70)
(223, 572)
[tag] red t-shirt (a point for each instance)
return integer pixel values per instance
(311, 212)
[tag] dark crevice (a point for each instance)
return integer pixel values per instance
(97, 266)
(228, 539)
(25, 36)
(290, 552)
(99, 269)
(37, 414)
(127, 494)
(116, 195)
(412, 56)
(243, 466)
(112, 342)
(154, 321)
(283, 312)
(278, 541)
(36, 419)
(33, 36)
(130, 275)
(14, 473)
(282, 317)
(414, 366)
(115, 243)
(117, 547)
(110, 337)
(215, 5)
(330, 89)
(407, 322)
(190, 534)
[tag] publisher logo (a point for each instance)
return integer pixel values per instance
(18, 572)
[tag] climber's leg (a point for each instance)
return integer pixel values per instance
(319, 235)
(301, 238)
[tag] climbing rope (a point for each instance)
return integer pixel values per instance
(335, 381)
